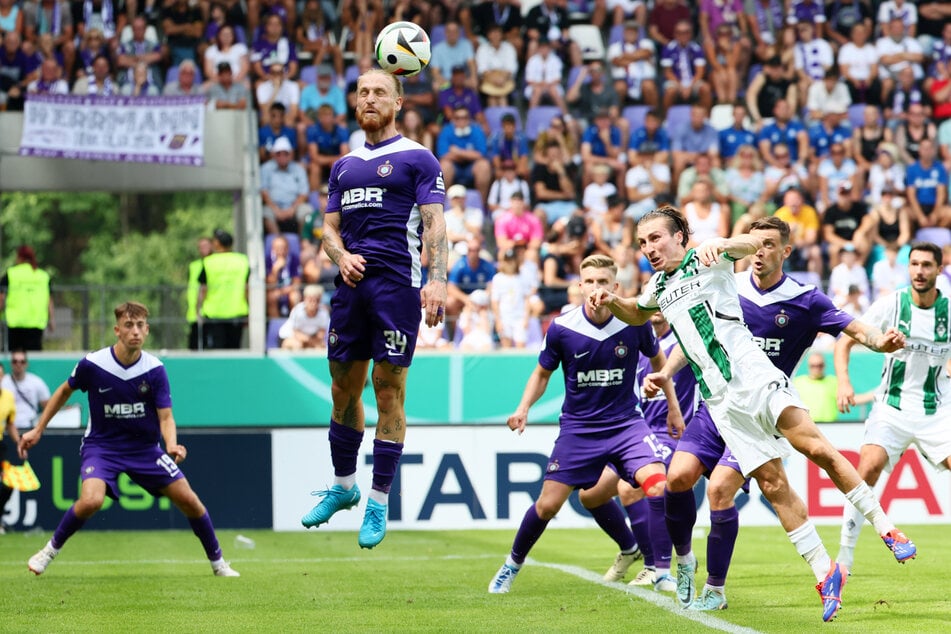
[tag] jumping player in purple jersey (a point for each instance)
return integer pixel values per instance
(130, 414)
(656, 570)
(385, 203)
(750, 400)
(601, 422)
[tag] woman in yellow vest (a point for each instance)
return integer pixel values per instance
(26, 299)
(194, 271)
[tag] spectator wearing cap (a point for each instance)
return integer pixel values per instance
(454, 51)
(847, 273)
(497, 65)
(509, 144)
(323, 91)
(273, 47)
(685, 69)
(462, 221)
(830, 130)
(138, 49)
(652, 134)
(472, 272)
(694, 138)
(927, 189)
(647, 180)
(602, 145)
(225, 93)
(460, 95)
(222, 306)
(842, 225)
(834, 170)
(327, 141)
(634, 67)
(768, 88)
(507, 183)
(543, 77)
(858, 64)
(279, 88)
(461, 150)
(828, 95)
(517, 227)
(284, 189)
(27, 301)
(812, 55)
(592, 92)
(275, 128)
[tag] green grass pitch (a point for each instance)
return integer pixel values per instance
(427, 581)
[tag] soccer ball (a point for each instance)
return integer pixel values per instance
(402, 48)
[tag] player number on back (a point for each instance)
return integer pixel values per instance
(395, 341)
(167, 463)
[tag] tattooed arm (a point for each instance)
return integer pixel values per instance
(433, 295)
(351, 265)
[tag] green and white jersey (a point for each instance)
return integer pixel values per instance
(703, 309)
(914, 379)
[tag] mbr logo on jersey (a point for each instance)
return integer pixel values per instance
(600, 378)
(124, 410)
(769, 344)
(363, 196)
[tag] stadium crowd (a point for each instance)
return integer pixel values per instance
(557, 124)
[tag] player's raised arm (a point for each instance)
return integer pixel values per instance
(737, 247)
(624, 308)
(433, 296)
(534, 388)
(31, 438)
(873, 338)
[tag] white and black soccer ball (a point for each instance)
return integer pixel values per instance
(403, 48)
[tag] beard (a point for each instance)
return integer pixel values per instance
(375, 124)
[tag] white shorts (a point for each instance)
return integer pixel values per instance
(747, 420)
(895, 431)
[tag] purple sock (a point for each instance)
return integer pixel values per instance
(205, 532)
(611, 520)
(660, 539)
(681, 516)
(724, 526)
(528, 533)
(637, 513)
(67, 526)
(386, 458)
(344, 448)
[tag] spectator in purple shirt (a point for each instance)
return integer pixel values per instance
(810, 11)
(685, 68)
(273, 47)
(459, 95)
(14, 73)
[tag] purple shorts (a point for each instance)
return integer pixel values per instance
(578, 459)
(702, 439)
(379, 320)
(151, 468)
(665, 445)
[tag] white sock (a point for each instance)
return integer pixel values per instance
(347, 482)
(865, 501)
(511, 563)
(218, 563)
(808, 544)
(717, 589)
(852, 523)
(630, 551)
(49, 545)
(379, 497)
(660, 572)
(689, 558)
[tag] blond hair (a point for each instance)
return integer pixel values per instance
(599, 261)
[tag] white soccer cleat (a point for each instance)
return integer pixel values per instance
(502, 581)
(42, 559)
(644, 578)
(222, 568)
(665, 583)
(621, 563)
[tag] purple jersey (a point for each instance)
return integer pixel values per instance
(786, 318)
(600, 373)
(683, 59)
(685, 386)
(123, 401)
(806, 11)
(376, 190)
(280, 52)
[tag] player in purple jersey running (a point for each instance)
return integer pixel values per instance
(601, 422)
(656, 570)
(130, 414)
(385, 203)
(784, 317)
(750, 400)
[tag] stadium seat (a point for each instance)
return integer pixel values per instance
(239, 35)
(806, 277)
(616, 35)
(437, 34)
(351, 74)
(528, 5)
(538, 119)
(857, 115)
(635, 116)
(589, 40)
(308, 74)
(293, 243)
(573, 76)
(494, 114)
(273, 327)
(721, 116)
(936, 235)
(677, 117)
(474, 199)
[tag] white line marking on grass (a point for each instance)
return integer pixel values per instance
(244, 559)
(660, 600)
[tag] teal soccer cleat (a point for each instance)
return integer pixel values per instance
(336, 498)
(708, 601)
(686, 590)
(374, 525)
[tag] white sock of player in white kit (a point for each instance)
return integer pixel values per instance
(852, 523)
(808, 544)
(863, 498)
